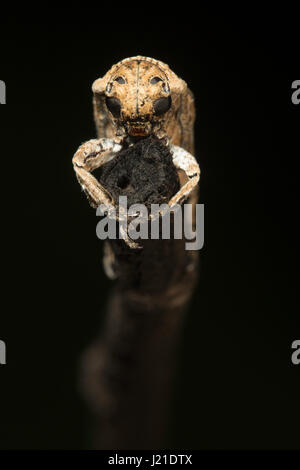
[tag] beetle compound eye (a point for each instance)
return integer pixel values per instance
(120, 80)
(155, 80)
(114, 106)
(162, 105)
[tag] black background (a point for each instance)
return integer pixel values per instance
(236, 386)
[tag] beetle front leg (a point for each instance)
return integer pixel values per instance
(89, 156)
(183, 160)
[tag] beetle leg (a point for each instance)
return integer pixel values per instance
(89, 156)
(183, 160)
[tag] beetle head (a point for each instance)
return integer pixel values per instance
(136, 97)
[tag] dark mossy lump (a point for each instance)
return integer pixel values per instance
(144, 172)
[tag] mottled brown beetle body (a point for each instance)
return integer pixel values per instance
(136, 98)
(138, 83)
